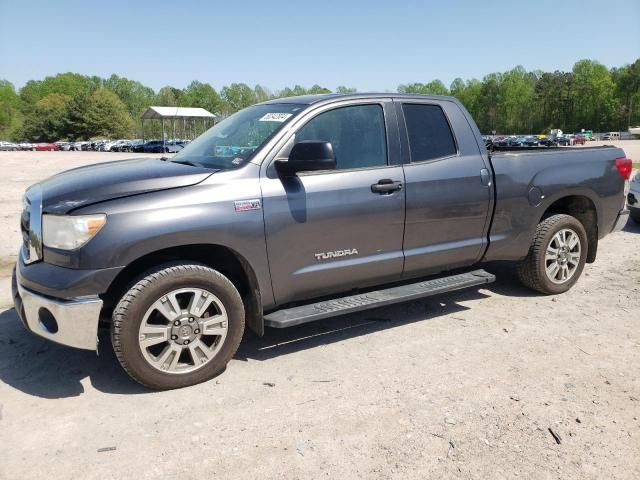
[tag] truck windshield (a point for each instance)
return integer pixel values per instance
(232, 142)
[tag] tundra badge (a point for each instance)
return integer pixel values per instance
(336, 254)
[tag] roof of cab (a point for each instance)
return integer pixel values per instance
(327, 97)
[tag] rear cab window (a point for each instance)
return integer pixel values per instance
(428, 132)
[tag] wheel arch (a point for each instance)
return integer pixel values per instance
(583, 208)
(221, 258)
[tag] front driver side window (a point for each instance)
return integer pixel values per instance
(357, 134)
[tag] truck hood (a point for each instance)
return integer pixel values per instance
(84, 186)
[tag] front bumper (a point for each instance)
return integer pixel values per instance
(72, 322)
(621, 221)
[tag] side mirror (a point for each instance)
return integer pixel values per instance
(307, 156)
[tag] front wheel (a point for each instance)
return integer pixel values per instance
(556, 257)
(177, 326)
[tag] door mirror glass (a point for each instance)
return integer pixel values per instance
(307, 156)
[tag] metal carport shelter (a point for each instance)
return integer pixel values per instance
(186, 114)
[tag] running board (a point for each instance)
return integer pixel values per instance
(354, 303)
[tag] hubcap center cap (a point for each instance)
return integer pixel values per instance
(185, 330)
(563, 254)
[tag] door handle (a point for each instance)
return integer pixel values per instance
(386, 185)
(485, 177)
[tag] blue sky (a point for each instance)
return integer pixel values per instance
(364, 43)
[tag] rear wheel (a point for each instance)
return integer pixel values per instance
(556, 257)
(177, 326)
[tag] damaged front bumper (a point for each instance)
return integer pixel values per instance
(72, 322)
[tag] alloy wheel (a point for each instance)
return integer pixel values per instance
(183, 330)
(562, 256)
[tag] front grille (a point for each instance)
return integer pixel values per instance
(31, 225)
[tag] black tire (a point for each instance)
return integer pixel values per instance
(532, 270)
(153, 285)
(636, 218)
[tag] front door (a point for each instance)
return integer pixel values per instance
(333, 231)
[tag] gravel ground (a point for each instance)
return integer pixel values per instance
(495, 382)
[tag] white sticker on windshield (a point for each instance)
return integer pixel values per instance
(275, 117)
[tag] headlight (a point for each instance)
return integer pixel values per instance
(636, 177)
(69, 232)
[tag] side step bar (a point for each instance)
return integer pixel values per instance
(354, 303)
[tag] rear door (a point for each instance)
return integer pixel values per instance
(448, 187)
(332, 231)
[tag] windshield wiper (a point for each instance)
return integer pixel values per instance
(189, 162)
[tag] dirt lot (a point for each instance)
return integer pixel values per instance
(466, 385)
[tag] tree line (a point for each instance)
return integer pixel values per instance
(78, 107)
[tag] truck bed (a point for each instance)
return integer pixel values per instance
(528, 180)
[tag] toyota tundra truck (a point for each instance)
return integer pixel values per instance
(296, 210)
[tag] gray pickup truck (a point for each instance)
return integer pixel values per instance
(295, 210)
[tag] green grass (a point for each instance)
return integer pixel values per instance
(636, 165)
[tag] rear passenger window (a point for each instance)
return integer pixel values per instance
(357, 134)
(429, 133)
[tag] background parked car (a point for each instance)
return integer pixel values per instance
(120, 145)
(77, 146)
(588, 135)
(154, 146)
(44, 147)
(114, 146)
(633, 198)
(97, 145)
(139, 147)
(100, 145)
(516, 141)
(611, 136)
(132, 145)
(8, 146)
(124, 145)
(158, 146)
(173, 146)
(65, 146)
(106, 146)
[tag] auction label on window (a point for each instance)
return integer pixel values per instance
(275, 117)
